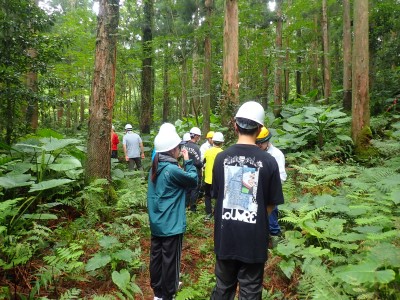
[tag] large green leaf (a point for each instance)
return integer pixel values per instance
(56, 144)
(98, 261)
(18, 167)
(387, 254)
(286, 249)
(66, 164)
(40, 216)
(121, 279)
(13, 181)
(366, 272)
(49, 184)
(124, 254)
(287, 267)
(108, 242)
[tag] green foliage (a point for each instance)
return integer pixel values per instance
(113, 253)
(64, 264)
(199, 290)
(71, 294)
(340, 240)
(308, 126)
(125, 283)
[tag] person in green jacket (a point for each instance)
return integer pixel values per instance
(166, 206)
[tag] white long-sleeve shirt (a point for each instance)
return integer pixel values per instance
(280, 159)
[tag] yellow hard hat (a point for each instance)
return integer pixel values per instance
(264, 135)
(210, 134)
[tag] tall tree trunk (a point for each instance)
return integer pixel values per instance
(298, 72)
(207, 67)
(166, 96)
(82, 110)
(326, 60)
(360, 131)
(184, 74)
(32, 111)
(10, 122)
(230, 85)
(103, 92)
(315, 50)
(346, 56)
(147, 68)
(279, 61)
(266, 81)
(68, 117)
(286, 72)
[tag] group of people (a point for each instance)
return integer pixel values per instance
(246, 182)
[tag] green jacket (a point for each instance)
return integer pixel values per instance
(166, 197)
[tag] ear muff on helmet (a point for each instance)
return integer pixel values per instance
(264, 135)
(210, 134)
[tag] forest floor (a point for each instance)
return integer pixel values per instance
(196, 261)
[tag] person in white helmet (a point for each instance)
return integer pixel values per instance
(209, 158)
(247, 187)
(166, 195)
(194, 154)
(133, 148)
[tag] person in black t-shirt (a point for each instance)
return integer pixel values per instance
(247, 187)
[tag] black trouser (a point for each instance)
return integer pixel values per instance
(230, 272)
(165, 260)
(114, 153)
(193, 194)
(207, 198)
(135, 161)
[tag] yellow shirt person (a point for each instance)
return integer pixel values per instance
(209, 158)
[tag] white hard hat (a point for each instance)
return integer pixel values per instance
(195, 130)
(128, 127)
(186, 137)
(218, 137)
(112, 126)
(251, 110)
(166, 128)
(164, 142)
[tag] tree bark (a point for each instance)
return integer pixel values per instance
(315, 50)
(346, 56)
(207, 67)
(230, 86)
(147, 68)
(266, 83)
(326, 59)
(298, 68)
(287, 72)
(184, 74)
(279, 61)
(166, 96)
(360, 131)
(103, 92)
(32, 111)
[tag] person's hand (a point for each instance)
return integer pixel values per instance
(142, 155)
(126, 158)
(185, 154)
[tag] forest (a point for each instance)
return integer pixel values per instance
(74, 222)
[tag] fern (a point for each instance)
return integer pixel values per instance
(71, 294)
(318, 283)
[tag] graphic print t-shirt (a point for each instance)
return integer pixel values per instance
(245, 180)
